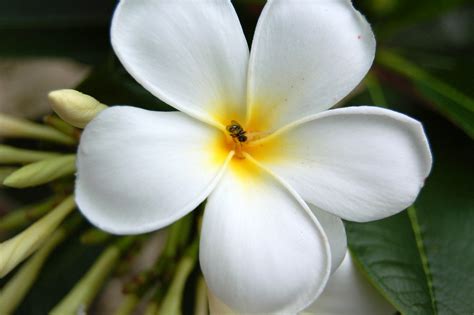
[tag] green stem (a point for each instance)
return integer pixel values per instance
(20, 247)
(128, 304)
(21, 128)
(173, 298)
(62, 126)
(201, 306)
(28, 214)
(94, 236)
(16, 289)
(12, 155)
(83, 293)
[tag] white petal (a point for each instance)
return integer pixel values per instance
(191, 54)
(306, 56)
(346, 293)
(349, 293)
(261, 249)
(140, 170)
(359, 163)
(336, 234)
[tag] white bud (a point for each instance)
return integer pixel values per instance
(74, 107)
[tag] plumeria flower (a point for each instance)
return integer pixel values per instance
(346, 293)
(349, 293)
(253, 137)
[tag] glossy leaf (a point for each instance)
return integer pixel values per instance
(443, 219)
(386, 250)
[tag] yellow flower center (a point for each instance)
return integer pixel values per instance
(244, 142)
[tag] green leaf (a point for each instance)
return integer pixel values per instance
(463, 116)
(386, 250)
(78, 29)
(443, 218)
(455, 105)
(422, 260)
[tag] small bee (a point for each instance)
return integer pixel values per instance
(236, 131)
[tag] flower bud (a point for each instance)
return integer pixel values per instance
(22, 128)
(6, 171)
(75, 107)
(42, 172)
(21, 246)
(15, 155)
(15, 290)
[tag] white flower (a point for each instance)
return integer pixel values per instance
(263, 247)
(347, 293)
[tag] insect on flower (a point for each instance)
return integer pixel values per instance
(236, 131)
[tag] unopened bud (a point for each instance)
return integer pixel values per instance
(5, 172)
(21, 246)
(15, 290)
(21, 128)
(15, 155)
(74, 107)
(42, 172)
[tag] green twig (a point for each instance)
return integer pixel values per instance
(201, 306)
(173, 298)
(15, 290)
(21, 128)
(80, 297)
(62, 126)
(12, 155)
(28, 214)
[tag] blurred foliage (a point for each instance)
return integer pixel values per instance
(112, 85)
(420, 259)
(62, 270)
(77, 29)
